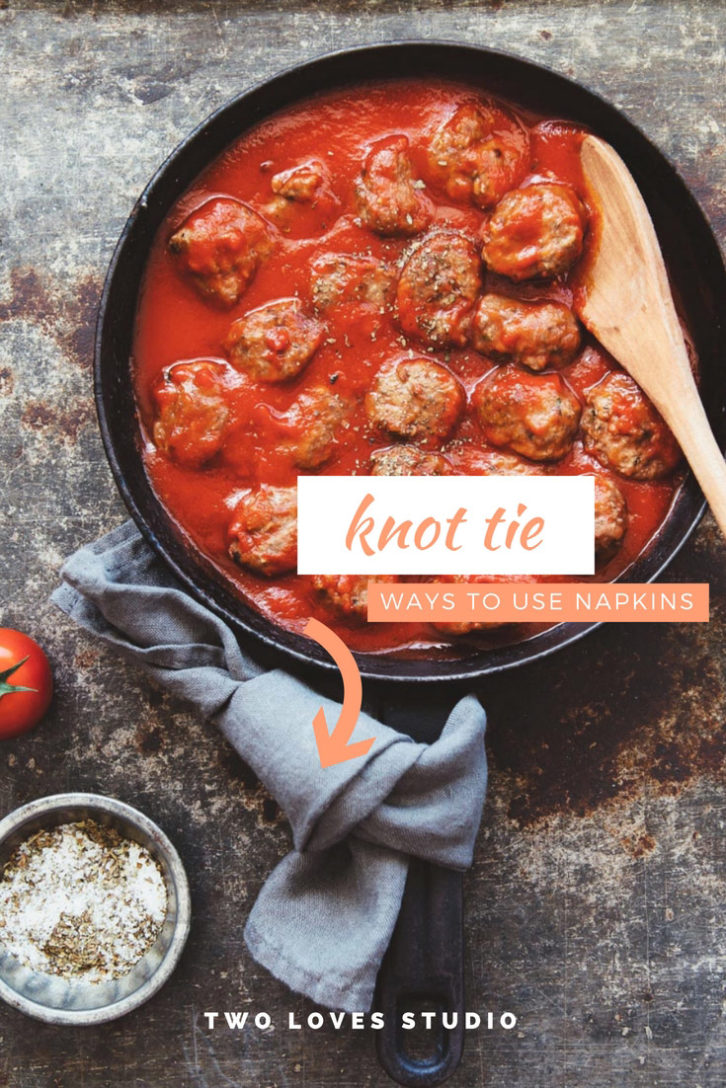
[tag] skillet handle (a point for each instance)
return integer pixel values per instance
(423, 971)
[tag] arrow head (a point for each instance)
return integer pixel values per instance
(332, 747)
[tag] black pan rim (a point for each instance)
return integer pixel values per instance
(274, 642)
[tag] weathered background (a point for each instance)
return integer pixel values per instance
(595, 907)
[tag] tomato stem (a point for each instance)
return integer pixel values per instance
(5, 687)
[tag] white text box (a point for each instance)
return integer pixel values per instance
(446, 525)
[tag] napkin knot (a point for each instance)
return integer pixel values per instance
(325, 916)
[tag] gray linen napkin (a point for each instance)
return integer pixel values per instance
(354, 825)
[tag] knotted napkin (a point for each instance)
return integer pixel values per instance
(354, 825)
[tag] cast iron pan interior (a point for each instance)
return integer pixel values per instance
(690, 249)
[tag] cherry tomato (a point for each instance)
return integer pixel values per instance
(26, 683)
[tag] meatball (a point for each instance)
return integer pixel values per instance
(263, 532)
(415, 398)
(336, 278)
(274, 342)
(302, 183)
(305, 185)
(388, 198)
(220, 246)
(535, 232)
(535, 334)
(611, 517)
(314, 417)
(464, 627)
(535, 415)
(347, 593)
(192, 411)
(408, 461)
(438, 288)
(479, 155)
(624, 431)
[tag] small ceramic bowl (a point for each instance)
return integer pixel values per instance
(75, 1001)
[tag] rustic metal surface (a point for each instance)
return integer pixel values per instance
(595, 907)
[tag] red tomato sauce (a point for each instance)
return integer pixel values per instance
(174, 322)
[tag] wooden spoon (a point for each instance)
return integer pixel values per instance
(625, 301)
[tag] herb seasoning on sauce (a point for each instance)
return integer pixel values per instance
(380, 280)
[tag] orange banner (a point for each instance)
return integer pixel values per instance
(552, 602)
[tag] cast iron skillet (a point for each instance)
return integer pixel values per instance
(424, 962)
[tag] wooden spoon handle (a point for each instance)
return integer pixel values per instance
(687, 419)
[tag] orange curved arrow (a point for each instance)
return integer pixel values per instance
(333, 747)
